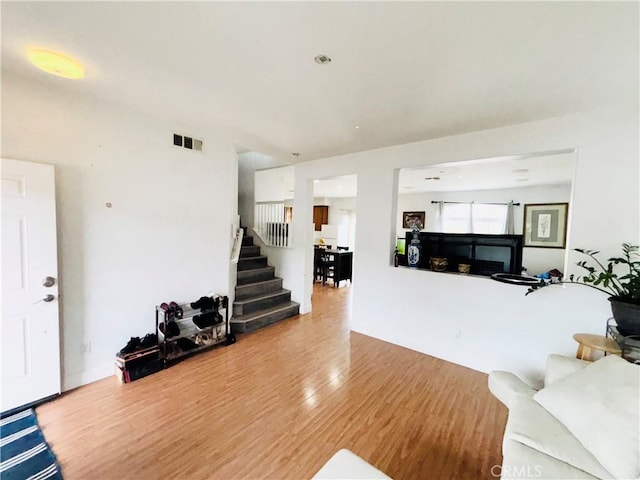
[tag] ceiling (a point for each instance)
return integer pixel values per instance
(336, 187)
(401, 71)
(514, 171)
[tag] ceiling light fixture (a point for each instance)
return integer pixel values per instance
(357, 126)
(55, 63)
(322, 59)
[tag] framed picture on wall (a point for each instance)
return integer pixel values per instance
(409, 217)
(545, 225)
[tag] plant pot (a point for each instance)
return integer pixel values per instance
(627, 316)
(439, 264)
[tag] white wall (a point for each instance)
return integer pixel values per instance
(536, 260)
(274, 184)
(475, 321)
(248, 163)
(339, 207)
(166, 237)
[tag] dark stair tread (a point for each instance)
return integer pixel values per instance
(262, 296)
(263, 313)
(249, 251)
(244, 277)
(247, 290)
(252, 263)
(261, 282)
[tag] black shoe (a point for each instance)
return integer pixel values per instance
(185, 344)
(149, 340)
(131, 346)
(205, 320)
(204, 303)
(177, 309)
(169, 311)
(170, 330)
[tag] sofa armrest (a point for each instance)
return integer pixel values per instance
(559, 366)
(504, 384)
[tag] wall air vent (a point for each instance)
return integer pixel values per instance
(184, 141)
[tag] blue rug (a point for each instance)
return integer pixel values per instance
(23, 452)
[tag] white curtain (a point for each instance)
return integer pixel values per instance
(439, 216)
(470, 224)
(509, 227)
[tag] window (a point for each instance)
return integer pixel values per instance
(474, 218)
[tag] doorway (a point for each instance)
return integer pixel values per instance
(334, 218)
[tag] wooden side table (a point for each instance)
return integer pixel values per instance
(588, 342)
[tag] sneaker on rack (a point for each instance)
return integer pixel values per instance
(205, 320)
(177, 309)
(204, 303)
(186, 344)
(149, 340)
(130, 346)
(170, 330)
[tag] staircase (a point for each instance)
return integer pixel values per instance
(260, 298)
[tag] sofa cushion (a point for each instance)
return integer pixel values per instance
(599, 406)
(533, 426)
(504, 385)
(559, 366)
(521, 462)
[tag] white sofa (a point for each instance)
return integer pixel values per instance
(582, 425)
(346, 465)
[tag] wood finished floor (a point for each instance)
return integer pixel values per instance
(278, 404)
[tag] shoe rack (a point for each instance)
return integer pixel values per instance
(183, 330)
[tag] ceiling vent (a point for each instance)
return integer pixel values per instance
(432, 178)
(187, 142)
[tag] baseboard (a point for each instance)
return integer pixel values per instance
(15, 410)
(76, 380)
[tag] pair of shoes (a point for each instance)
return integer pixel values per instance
(170, 330)
(172, 310)
(185, 344)
(207, 319)
(149, 340)
(203, 339)
(131, 346)
(205, 303)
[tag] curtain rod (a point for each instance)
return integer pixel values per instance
(484, 203)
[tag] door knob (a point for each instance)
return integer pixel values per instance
(47, 298)
(48, 282)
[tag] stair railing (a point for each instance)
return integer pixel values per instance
(271, 224)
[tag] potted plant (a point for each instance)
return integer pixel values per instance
(623, 287)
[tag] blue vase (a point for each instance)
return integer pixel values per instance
(414, 252)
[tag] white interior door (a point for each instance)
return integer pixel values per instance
(30, 327)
